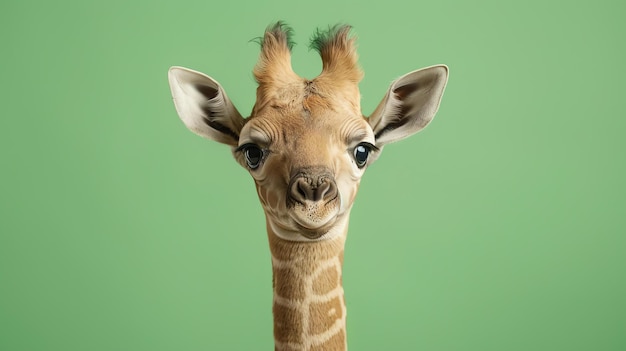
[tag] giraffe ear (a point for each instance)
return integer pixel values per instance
(203, 106)
(410, 104)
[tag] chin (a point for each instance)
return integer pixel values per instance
(312, 226)
(296, 230)
(314, 233)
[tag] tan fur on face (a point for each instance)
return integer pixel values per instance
(323, 142)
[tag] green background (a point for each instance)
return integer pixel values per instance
(500, 227)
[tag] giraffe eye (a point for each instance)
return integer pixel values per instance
(361, 153)
(253, 155)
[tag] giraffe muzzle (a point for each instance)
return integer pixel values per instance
(313, 200)
(306, 188)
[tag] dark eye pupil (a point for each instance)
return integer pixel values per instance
(360, 155)
(253, 156)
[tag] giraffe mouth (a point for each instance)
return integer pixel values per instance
(296, 232)
(322, 221)
(314, 219)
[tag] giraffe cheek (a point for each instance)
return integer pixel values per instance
(272, 200)
(348, 189)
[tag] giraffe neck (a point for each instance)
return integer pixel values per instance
(309, 307)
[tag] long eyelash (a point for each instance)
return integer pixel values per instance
(245, 146)
(370, 146)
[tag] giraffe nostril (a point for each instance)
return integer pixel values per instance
(300, 188)
(304, 188)
(318, 188)
(326, 190)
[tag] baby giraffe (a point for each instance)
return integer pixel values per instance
(306, 144)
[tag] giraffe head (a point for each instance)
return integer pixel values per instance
(306, 142)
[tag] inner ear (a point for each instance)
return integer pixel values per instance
(410, 104)
(403, 91)
(204, 107)
(209, 92)
(409, 97)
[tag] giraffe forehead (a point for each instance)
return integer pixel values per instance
(303, 96)
(280, 128)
